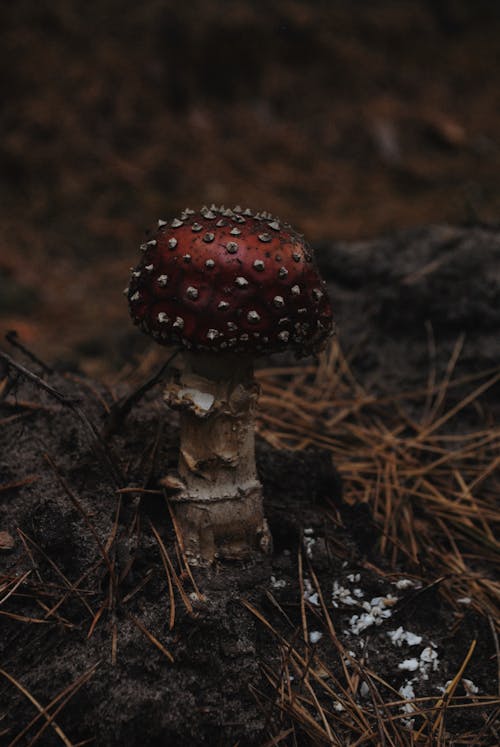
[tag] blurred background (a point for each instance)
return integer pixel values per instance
(348, 119)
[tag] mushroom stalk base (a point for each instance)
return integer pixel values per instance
(218, 497)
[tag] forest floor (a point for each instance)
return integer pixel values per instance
(374, 620)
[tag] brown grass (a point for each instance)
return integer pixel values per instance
(431, 484)
(310, 704)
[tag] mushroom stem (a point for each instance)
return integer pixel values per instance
(219, 504)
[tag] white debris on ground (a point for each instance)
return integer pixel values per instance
(364, 690)
(376, 611)
(421, 665)
(310, 595)
(426, 663)
(468, 685)
(315, 636)
(308, 541)
(277, 583)
(464, 600)
(401, 636)
(405, 583)
(408, 693)
(341, 595)
(409, 665)
(373, 613)
(429, 661)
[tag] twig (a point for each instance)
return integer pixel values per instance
(66, 696)
(13, 338)
(151, 638)
(43, 711)
(37, 380)
(15, 484)
(56, 568)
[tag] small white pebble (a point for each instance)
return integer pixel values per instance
(388, 601)
(310, 595)
(428, 661)
(277, 583)
(406, 691)
(347, 659)
(359, 623)
(404, 583)
(428, 655)
(309, 542)
(409, 665)
(400, 636)
(341, 594)
(347, 599)
(395, 635)
(470, 687)
(375, 612)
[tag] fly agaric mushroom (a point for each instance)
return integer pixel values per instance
(224, 286)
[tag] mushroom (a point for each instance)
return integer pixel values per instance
(225, 286)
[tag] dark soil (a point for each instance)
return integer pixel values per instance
(213, 691)
(393, 294)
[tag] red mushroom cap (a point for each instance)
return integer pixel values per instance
(230, 280)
